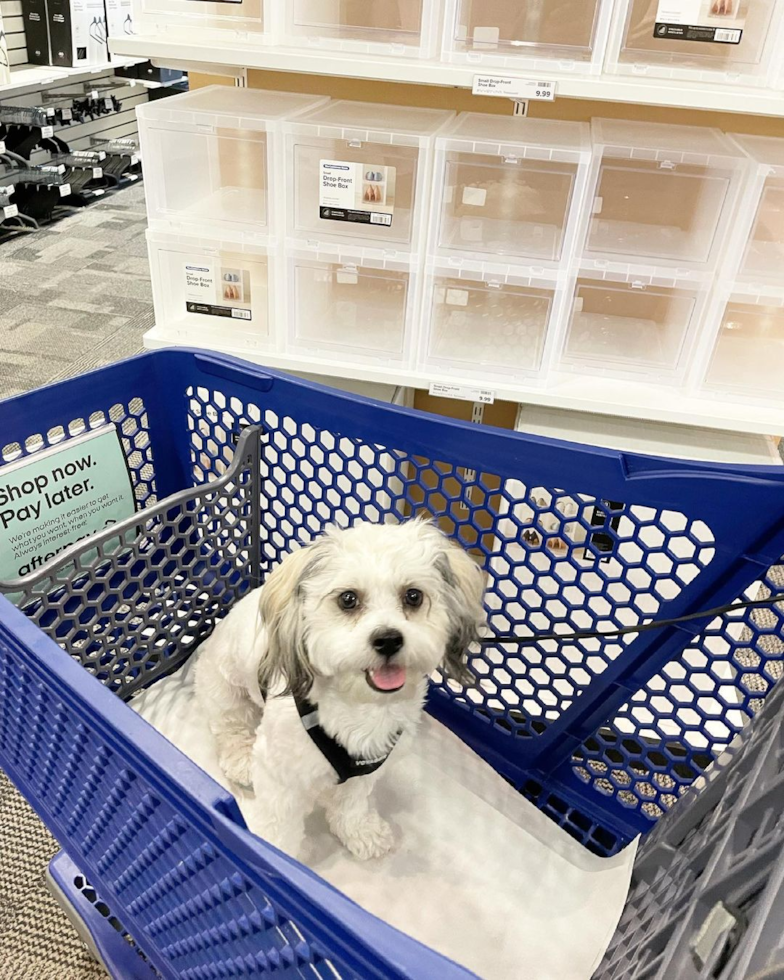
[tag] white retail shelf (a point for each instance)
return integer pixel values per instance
(30, 78)
(579, 393)
(219, 54)
(652, 438)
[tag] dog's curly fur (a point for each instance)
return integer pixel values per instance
(292, 639)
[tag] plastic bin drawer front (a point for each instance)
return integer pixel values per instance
(515, 209)
(648, 211)
(394, 194)
(617, 324)
(219, 295)
(359, 20)
(218, 179)
(749, 352)
(764, 256)
(476, 326)
(564, 28)
(641, 45)
(350, 307)
(245, 15)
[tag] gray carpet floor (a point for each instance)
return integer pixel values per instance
(72, 296)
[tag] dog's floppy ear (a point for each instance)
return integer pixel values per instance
(465, 589)
(286, 659)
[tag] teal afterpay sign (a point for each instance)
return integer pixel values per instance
(59, 496)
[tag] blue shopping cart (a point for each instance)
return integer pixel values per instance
(231, 465)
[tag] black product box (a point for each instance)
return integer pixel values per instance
(77, 33)
(36, 25)
(149, 72)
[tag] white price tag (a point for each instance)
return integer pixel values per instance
(98, 193)
(108, 104)
(94, 93)
(67, 114)
(47, 131)
(65, 190)
(11, 211)
(49, 112)
(134, 159)
(511, 87)
(2, 146)
(463, 394)
(97, 172)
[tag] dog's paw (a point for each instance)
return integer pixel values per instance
(373, 839)
(235, 760)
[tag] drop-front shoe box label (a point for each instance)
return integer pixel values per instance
(362, 193)
(214, 290)
(716, 21)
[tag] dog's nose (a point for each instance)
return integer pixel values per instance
(387, 642)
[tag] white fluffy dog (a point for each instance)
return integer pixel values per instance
(311, 681)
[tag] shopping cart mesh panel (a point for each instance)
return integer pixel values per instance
(555, 561)
(133, 426)
(135, 602)
(205, 916)
(707, 897)
(672, 728)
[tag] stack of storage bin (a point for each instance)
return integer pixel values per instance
(546, 39)
(507, 197)
(654, 232)
(744, 356)
(358, 183)
(411, 246)
(213, 201)
(288, 223)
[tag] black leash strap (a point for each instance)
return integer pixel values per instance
(345, 765)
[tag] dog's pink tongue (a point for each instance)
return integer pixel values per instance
(389, 677)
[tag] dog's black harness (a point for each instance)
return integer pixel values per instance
(345, 765)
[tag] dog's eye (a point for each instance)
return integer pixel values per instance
(348, 600)
(413, 597)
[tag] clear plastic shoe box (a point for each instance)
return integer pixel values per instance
(758, 254)
(510, 187)
(210, 160)
(632, 325)
(662, 194)
(747, 358)
(212, 293)
(347, 303)
(360, 172)
(732, 41)
(742, 354)
(488, 321)
(219, 18)
(406, 28)
(547, 35)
